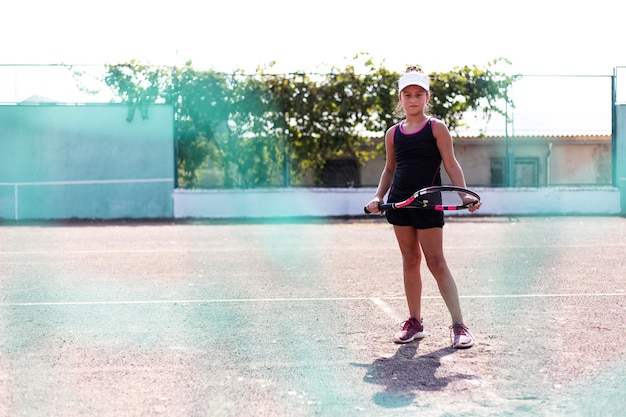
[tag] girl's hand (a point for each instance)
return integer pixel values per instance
(473, 204)
(372, 206)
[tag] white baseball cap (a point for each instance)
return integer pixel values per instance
(413, 78)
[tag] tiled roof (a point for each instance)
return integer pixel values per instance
(541, 124)
(535, 138)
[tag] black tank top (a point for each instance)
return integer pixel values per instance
(418, 162)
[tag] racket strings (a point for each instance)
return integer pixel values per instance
(446, 198)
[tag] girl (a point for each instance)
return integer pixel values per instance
(415, 149)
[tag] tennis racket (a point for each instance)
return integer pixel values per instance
(446, 197)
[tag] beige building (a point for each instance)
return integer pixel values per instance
(539, 161)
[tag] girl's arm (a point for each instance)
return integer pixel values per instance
(386, 177)
(450, 163)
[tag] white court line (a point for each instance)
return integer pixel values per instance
(386, 309)
(213, 249)
(392, 314)
(109, 252)
(378, 301)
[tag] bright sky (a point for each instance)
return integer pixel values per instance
(547, 36)
(538, 37)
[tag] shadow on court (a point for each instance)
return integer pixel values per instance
(406, 375)
(295, 318)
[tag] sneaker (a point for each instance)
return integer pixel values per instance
(411, 330)
(461, 336)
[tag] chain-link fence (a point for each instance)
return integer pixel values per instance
(66, 84)
(619, 132)
(545, 106)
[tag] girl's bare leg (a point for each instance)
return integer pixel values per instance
(431, 241)
(411, 260)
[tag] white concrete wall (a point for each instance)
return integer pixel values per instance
(324, 202)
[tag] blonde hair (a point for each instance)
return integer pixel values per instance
(399, 110)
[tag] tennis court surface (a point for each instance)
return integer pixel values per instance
(295, 319)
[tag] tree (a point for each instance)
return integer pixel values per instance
(338, 114)
(258, 142)
(333, 115)
(136, 84)
(201, 113)
(227, 119)
(267, 129)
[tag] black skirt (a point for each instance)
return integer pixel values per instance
(417, 218)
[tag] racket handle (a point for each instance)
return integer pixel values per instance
(381, 207)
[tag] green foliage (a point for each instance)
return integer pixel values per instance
(266, 129)
(136, 84)
(257, 143)
(201, 113)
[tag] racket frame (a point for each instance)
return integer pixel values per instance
(409, 202)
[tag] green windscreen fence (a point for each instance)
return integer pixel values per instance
(619, 131)
(85, 161)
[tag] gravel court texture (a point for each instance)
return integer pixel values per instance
(292, 318)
